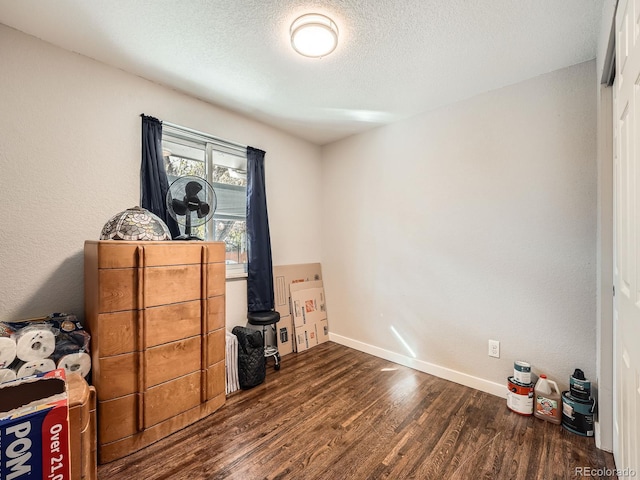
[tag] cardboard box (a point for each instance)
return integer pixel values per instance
(286, 275)
(34, 428)
(309, 313)
(322, 331)
(283, 277)
(285, 335)
(306, 337)
(307, 303)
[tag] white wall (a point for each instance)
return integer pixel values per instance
(70, 159)
(473, 222)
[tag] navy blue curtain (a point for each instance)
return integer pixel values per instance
(260, 272)
(153, 177)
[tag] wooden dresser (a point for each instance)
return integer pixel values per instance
(156, 314)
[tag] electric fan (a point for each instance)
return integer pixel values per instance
(191, 202)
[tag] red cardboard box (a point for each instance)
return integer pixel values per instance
(34, 428)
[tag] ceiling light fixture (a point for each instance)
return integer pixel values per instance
(314, 35)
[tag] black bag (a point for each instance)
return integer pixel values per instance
(252, 367)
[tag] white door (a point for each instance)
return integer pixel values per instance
(626, 348)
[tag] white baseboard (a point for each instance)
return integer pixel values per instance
(481, 384)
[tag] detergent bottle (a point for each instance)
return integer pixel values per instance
(547, 403)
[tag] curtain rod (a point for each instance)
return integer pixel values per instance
(190, 130)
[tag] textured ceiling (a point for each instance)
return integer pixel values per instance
(394, 59)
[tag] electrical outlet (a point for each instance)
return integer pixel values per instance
(494, 348)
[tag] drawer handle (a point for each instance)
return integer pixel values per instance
(204, 321)
(142, 368)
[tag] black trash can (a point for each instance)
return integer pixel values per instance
(252, 367)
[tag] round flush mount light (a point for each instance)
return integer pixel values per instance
(314, 35)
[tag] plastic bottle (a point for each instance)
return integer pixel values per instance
(547, 403)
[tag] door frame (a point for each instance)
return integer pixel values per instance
(605, 241)
(604, 320)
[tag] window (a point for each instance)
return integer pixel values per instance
(224, 166)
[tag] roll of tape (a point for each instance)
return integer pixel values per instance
(76, 363)
(8, 350)
(35, 344)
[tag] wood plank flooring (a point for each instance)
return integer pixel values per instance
(335, 413)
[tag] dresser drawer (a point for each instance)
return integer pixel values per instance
(171, 398)
(215, 380)
(172, 360)
(162, 286)
(216, 276)
(172, 322)
(166, 323)
(216, 346)
(117, 290)
(165, 285)
(116, 376)
(216, 313)
(117, 418)
(118, 333)
(120, 254)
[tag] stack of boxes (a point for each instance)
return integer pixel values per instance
(306, 325)
(309, 314)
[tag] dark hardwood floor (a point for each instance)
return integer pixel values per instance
(335, 413)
